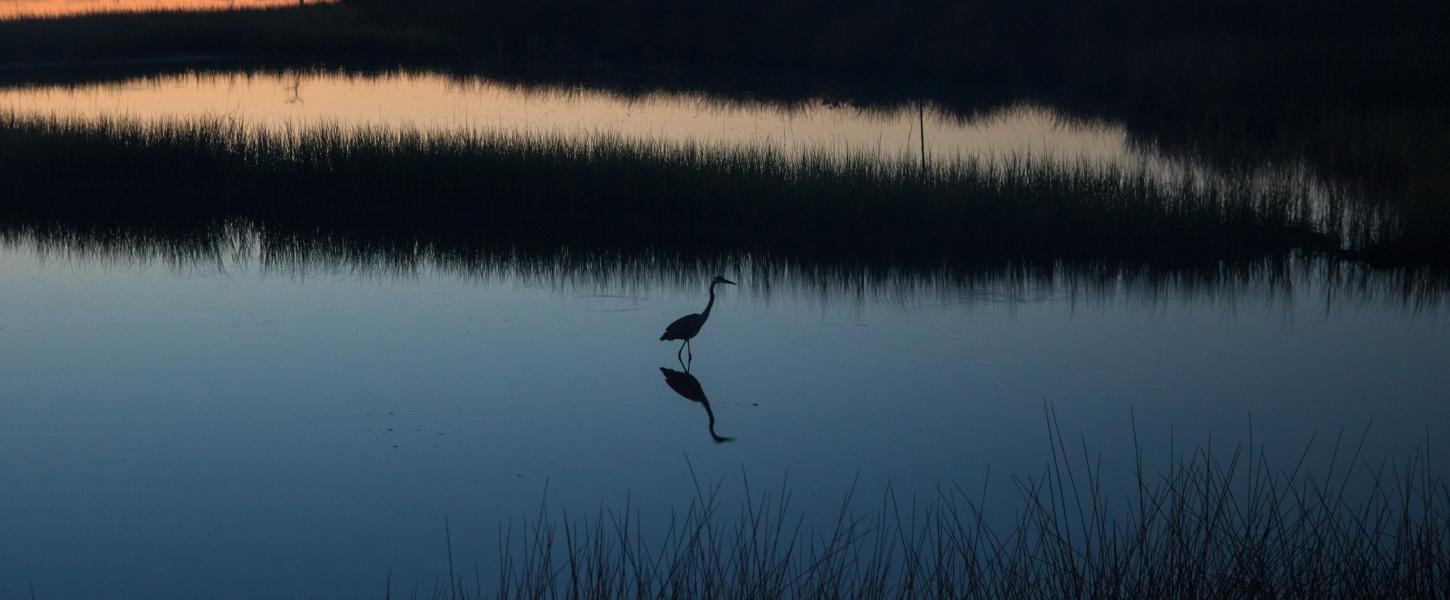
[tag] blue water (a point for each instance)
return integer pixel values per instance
(229, 429)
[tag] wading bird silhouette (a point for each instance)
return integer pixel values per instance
(685, 328)
(685, 384)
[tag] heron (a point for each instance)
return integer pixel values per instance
(686, 327)
(685, 384)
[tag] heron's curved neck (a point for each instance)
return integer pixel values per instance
(711, 414)
(711, 305)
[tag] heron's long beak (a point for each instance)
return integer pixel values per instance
(724, 280)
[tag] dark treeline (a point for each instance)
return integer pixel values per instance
(294, 34)
(1153, 57)
(1280, 51)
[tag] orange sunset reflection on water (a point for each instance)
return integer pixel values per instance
(16, 9)
(439, 103)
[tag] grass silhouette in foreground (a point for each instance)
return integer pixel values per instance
(520, 188)
(1207, 525)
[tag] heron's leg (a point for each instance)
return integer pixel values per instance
(690, 349)
(677, 354)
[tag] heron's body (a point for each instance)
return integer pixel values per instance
(687, 327)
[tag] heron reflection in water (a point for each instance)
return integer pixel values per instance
(685, 384)
(685, 328)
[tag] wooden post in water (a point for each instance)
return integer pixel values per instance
(921, 129)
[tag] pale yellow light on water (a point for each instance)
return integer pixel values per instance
(15, 9)
(437, 103)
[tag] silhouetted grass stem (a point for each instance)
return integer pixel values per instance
(1206, 525)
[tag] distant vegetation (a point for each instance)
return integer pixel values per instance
(1156, 57)
(288, 34)
(571, 191)
(1275, 53)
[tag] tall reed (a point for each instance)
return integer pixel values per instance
(1208, 525)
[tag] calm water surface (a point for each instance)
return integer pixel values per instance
(247, 425)
(244, 428)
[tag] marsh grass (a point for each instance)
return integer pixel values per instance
(1385, 156)
(1273, 71)
(1207, 525)
(518, 187)
(1353, 87)
(628, 267)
